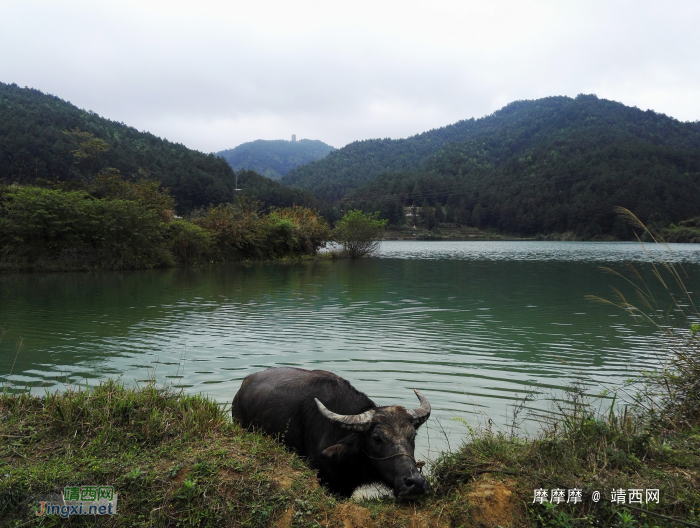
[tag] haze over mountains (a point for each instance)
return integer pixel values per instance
(550, 165)
(547, 166)
(275, 158)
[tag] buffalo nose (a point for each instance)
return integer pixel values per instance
(415, 484)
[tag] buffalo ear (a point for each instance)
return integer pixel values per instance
(347, 446)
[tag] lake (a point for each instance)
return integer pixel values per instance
(475, 326)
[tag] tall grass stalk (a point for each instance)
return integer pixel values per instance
(671, 394)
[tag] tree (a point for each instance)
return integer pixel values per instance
(359, 233)
(87, 146)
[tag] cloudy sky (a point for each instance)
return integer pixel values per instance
(214, 74)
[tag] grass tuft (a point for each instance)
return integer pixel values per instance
(174, 459)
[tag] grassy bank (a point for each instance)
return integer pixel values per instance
(174, 460)
(589, 451)
(178, 460)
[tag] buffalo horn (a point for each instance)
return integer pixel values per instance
(352, 422)
(421, 414)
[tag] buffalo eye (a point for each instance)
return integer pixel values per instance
(377, 439)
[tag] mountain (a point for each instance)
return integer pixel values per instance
(275, 158)
(534, 167)
(43, 137)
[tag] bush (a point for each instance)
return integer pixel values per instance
(310, 229)
(359, 233)
(241, 232)
(39, 225)
(190, 244)
(279, 237)
(114, 224)
(236, 228)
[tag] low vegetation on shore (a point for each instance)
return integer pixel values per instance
(445, 233)
(107, 222)
(685, 231)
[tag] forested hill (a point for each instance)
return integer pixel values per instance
(275, 158)
(362, 161)
(44, 137)
(551, 165)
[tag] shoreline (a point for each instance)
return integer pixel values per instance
(176, 458)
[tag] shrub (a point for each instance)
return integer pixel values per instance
(189, 244)
(241, 232)
(359, 233)
(39, 225)
(311, 231)
(236, 228)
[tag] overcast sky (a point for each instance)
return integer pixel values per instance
(214, 74)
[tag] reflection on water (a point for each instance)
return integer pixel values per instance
(473, 325)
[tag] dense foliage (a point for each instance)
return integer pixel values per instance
(272, 193)
(535, 167)
(359, 233)
(45, 138)
(114, 224)
(275, 158)
(67, 226)
(242, 232)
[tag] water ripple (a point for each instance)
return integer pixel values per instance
(475, 326)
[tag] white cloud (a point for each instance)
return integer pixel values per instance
(212, 74)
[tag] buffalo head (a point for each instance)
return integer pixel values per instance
(387, 436)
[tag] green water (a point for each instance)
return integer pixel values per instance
(473, 325)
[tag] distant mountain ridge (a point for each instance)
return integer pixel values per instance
(551, 165)
(34, 146)
(275, 158)
(519, 124)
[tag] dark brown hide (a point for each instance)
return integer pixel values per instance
(281, 402)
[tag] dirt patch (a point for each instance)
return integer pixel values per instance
(427, 520)
(493, 502)
(285, 520)
(285, 476)
(350, 515)
(180, 475)
(283, 481)
(353, 516)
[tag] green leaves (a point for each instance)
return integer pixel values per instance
(240, 231)
(75, 230)
(359, 232)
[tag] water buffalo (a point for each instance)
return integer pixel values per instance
(293, 404)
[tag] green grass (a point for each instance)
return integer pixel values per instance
(178, 460)
(590, 452)
(175, 460)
